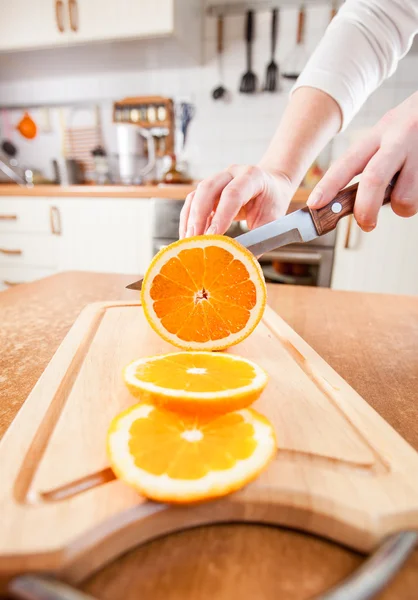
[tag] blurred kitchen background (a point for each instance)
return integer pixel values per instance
(111, 112)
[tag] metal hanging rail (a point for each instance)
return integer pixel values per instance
(242, 7)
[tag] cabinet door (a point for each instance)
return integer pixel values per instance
(36, 24)
(92, 20)
(106, 235)
(381, 261)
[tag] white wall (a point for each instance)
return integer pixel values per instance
(221, 133)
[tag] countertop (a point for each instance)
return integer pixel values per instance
(371, 340)
(172, 192)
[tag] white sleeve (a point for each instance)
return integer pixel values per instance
(360, 49)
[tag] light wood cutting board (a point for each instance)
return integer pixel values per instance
(341, 471)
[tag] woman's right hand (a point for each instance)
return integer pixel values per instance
(240, 192)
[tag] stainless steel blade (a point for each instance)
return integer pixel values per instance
(298, 226)
(136, 285)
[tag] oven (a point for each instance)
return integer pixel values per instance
(297, 264)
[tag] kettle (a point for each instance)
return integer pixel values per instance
(133, 144)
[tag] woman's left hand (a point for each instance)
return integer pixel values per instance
(391, 146)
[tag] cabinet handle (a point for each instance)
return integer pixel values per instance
(10, 252)
(8, 217)
(12, 283)
(55, 220)
(59, 15)
(73, 12)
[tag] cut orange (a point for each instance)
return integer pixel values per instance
(176, 458)
(204, 293)
(192, 381)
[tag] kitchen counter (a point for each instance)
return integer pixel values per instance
(370, 340)
(173, 192)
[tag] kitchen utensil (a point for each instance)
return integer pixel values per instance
(27, 126)
(74, 172)
(82, 133)
(174, 175)
(298, 57)
(134, 164)
(249, 79)
(272, 73)
(101, 173)
(9, 148)
(185, 113)
(305, 224)
(220, 91)
(340, 472)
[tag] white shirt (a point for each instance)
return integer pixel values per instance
(360, 49)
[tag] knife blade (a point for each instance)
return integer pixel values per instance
(300, 226)
(306, 224)
(136, 285)
(297, 227)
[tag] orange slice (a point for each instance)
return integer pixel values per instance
(196, 381)
(204, 293)
(177, 458)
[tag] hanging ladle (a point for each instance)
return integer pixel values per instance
(220, 91)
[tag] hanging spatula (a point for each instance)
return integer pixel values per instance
(295, 62)
(249, 79)
(272, 73)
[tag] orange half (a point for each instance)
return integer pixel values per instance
(204, 293)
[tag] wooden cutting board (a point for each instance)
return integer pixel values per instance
(341, 471)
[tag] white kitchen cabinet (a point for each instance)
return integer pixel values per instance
(384, 260)
(48, 23)
(30, 242)
(25, 24)
(42, 236)
(106, 235)
(117, 19)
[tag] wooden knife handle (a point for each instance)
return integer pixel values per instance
(326, 218)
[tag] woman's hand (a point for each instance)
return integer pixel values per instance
(239, 192)
(391, 146)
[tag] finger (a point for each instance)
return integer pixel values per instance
(184, 215)
(343, 170)
(206, 195)
(374, 181)
(404, 200)
(234, 197)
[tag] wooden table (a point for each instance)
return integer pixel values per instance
(371, 340)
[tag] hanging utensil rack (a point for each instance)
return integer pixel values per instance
(225, 8)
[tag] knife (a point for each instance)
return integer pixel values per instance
(300, 226)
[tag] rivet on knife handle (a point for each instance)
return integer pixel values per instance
(326, 218)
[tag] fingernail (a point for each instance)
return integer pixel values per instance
(213, 229)
(190, 231)
(368, 228)
(315, 198)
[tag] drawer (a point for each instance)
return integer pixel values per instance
(11, 276)
(31, 215)
(30, 249)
